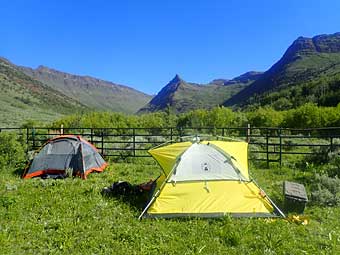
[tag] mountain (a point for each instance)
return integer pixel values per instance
(94, 93)
(23, 98)
(181, 96)
(247, 78)
(309, 71)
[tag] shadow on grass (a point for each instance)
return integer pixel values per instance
(278, 200)
(128, 193)
(19, 170)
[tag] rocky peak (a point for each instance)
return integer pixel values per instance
(174, 83)
(41, 67)
(317, 44)
(248, 76)
(45, 69)
(176, 79)
(301, 45)
(167, 92)
(2, 59)
(327, 43)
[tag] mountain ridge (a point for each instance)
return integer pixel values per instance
(243, 78)
(306, 59)
(23, 98)
(96, 93)
(308, 71)
(180, 96)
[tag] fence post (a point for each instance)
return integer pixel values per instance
(61, 129)
(267, 147)
(223, 132)
(27, 137)
(134, 141)
(92, 135)
(331, 144)
(180, 133)
(33, 138)
(171, 134)
(280, 137)
(248, 133)
(102, 142)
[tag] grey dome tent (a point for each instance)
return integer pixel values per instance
(64, 153)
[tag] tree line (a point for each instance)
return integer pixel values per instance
(308, 115)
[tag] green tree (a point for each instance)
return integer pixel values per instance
(12, 152)
(265, 117)
(305, 116)
(220, 117)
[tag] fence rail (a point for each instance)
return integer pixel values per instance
(266, 144)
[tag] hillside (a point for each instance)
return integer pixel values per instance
(247, 78)
(181, 96)
(94, 93)
(23, 98)
(309, 71)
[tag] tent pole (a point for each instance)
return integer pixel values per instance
(277, 208)
(156, 194)
(148, 205)
(83, 175)
(271, 201)
(161, 187)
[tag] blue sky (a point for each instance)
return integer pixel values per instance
(143, 44)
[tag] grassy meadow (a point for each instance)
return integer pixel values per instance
(71, 216)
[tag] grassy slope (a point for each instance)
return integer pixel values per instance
(286, 82)
(94, 93)
(313, 78)
(72, 217)
(22, 98)
(190, 97)
(317, 64)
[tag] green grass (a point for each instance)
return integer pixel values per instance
(72, 217)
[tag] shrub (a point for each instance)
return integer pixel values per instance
(265, 117)
(323, 155)
(319, 156)
(333, 169)
(31, 123)
(12, 152)
(306, 116)
(327, 190)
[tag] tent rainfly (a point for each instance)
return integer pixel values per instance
(65, 153)
(206, 179)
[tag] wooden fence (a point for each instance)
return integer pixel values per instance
(266, 144)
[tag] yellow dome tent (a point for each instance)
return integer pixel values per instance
(206, 179)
